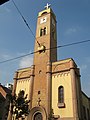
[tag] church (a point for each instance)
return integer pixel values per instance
(53, 87)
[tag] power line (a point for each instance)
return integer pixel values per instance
(65, 45)
(15, 58)
(25, 21)
(70, 44)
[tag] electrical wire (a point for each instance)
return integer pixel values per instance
(25, 21)
(32, 31)
(15, 58)
(65, 45)
(70, 44)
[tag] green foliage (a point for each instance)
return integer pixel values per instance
(20, 105)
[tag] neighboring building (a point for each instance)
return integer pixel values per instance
(85, 107)
(3, 92)
(53, 86)
(9, 86)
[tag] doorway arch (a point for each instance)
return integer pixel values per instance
(37, 113)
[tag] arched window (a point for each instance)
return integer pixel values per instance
(61, 94)
(41, 32)
(44, 30)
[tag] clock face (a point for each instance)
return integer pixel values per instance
(43, 20)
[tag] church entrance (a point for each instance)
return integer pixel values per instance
(37, 113)
(38, 116)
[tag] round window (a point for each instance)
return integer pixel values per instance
(38, 116)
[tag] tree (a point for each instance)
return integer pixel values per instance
(3, 1)
(17, 105)
(20, 105)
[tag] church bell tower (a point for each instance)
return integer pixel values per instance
(53, 87)
(45, 54)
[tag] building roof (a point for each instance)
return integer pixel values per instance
(63, 65)
(4, 91)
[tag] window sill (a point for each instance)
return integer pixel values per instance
(61, 105)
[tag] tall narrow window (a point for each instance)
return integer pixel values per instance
(41, 32)
(61, 94)
(88, 115)
(61, 97)
(44, 30)
(84, 112)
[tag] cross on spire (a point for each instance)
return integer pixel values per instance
(47, 6)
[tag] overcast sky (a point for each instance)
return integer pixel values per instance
(73, 25)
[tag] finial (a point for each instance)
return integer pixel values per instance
(47, 6)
